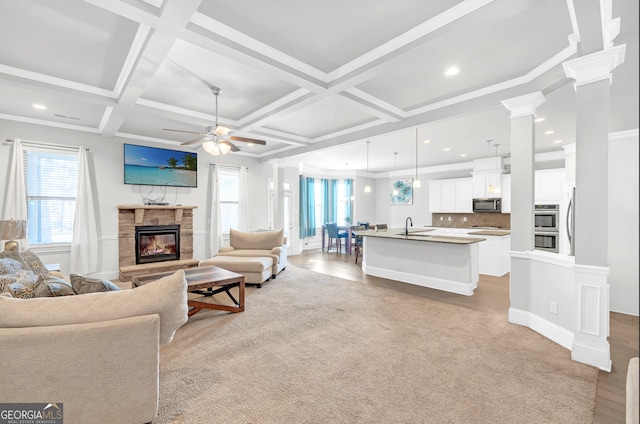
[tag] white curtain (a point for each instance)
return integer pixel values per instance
(243, 204)
(15, 205)
(84, 246)
(215, 224)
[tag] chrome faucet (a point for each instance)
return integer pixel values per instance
(406, 226)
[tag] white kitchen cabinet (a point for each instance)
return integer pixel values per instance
(435, 196)
(452, 195)
(464, 195)
(448, 196)
(549, 186)
(494, 255)
(506, 193)
(481, 182)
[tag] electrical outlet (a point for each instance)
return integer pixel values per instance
(442, 218)
(553, 307)
(464, 219)
(449, 218)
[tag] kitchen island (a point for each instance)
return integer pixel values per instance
(440, 262)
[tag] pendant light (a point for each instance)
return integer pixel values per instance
(367, 188)
(490, 187)
(416, 182)
(395, 166)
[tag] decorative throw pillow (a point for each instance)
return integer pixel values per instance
(17, 281)
(50, 286)
(84, 285)
(9, 266)
(23, 291)
(34, 263)
(15, 255)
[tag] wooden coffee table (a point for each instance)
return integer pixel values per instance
(205, 281)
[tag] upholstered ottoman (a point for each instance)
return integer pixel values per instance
(255, 270)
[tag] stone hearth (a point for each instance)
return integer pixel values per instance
(130, 216)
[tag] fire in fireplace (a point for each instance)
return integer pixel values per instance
(157, 243)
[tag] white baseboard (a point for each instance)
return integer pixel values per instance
(553, 332)
(421, 280)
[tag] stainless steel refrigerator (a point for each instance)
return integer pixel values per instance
(571, 219)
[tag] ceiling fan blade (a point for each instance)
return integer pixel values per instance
(183, 131)
(234, 148)
(222, 130)
(248, 140)
(194, 141)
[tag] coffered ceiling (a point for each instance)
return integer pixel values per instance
(315, 80)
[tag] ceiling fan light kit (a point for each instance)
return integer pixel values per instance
(216, 139)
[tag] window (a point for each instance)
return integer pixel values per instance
(51, 183)
(229, 184)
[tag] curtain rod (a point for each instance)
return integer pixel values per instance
(44, 144)
(222, 165)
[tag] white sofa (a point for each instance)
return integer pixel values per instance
(96, 353)
(270, 244)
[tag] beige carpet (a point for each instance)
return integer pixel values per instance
(311, 348)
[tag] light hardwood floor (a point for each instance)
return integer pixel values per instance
(492, 294)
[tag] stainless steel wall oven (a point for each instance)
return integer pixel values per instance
(547, 228)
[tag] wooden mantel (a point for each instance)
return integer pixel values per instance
(139, 210)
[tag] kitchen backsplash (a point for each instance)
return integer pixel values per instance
(501, 220)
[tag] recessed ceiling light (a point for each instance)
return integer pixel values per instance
(446, 149)
(463, 155)
(451, 71)
(39, 106)
(549, 132)
(540, 119)
(557, 142)
(427, 141)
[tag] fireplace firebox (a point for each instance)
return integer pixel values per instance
(157, 243)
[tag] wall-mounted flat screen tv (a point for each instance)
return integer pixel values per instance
(154, 166)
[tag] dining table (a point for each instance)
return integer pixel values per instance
(347, 229)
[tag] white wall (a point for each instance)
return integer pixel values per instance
(623, 222)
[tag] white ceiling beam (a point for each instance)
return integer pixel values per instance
(174, 17)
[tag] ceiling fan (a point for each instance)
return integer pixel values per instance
(217, 139)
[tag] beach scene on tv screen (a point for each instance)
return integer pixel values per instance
(154, 166)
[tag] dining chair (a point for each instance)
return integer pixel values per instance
(381, 226)
(332, 230)
(358, 240)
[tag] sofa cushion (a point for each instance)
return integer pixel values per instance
(251, 253)
(166, 297)
(240, 264)
(83, 285)
(260, 240)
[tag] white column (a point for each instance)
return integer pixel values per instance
(278, 194)
(522, 197)
(592, 74)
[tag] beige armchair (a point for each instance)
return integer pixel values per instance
(270, 244)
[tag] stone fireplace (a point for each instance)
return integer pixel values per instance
(154, 238)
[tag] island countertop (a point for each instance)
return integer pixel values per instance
(490, 233)
(418, 234)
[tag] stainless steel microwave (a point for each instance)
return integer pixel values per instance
(487, 205)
